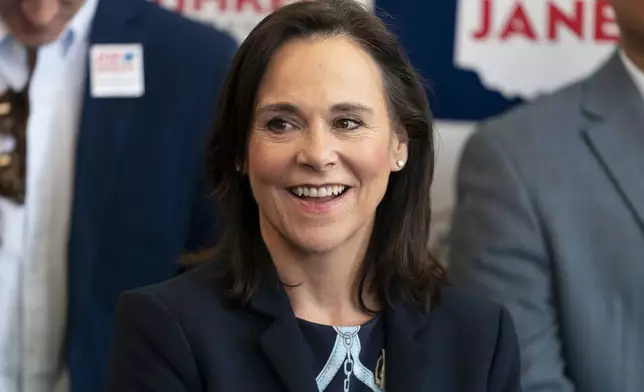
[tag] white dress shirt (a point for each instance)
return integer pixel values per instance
(33, 236)
(636, 74)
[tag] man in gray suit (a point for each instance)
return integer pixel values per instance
(550, 222)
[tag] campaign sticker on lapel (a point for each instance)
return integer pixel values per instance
(116, 70)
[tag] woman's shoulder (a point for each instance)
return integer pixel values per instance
(472, 316)
(160, 330)
(471, 332)
(185, 294)
(465, 304)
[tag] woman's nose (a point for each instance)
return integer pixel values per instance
(318, 148)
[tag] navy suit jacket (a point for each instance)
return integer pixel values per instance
(139, 190)
(185, 335)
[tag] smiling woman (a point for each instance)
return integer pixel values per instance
(321, 126)
(322, 156)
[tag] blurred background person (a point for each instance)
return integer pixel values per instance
(323, 155)
(100, 173)
(550, 222)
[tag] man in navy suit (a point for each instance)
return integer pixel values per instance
(120, 94)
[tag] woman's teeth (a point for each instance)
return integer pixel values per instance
(332, 190)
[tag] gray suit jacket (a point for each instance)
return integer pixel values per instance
(550, 223)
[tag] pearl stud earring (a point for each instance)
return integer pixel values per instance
(400, 163)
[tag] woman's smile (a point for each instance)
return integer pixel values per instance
(319, 199)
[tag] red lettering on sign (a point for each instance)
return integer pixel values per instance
(198, 4)
(518, 24)
(241, 5)
(484, 31)
(574, 23)
(259, 6)
(602, 20)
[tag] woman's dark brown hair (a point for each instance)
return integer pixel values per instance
(397, 261)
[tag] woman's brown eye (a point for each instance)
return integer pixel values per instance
(278, 125)
(347, 123)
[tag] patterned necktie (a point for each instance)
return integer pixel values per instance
(14, 112)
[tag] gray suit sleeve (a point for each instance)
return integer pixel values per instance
(497, 248)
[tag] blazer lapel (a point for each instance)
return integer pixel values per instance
(104, 121)
(282, 341)
(615, 131)
(407, 359)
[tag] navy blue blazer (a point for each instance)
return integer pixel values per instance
(185, 335)
(138, 187)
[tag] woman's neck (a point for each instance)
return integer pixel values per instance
(322, 287)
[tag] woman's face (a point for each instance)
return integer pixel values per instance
(322, 144)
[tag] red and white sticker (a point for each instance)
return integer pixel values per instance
(116, 70)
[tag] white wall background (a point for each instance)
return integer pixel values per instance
(450, 138)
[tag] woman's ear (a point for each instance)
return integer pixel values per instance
(399, 149)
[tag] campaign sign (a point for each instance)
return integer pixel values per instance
(528, 48)
(236, 17)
